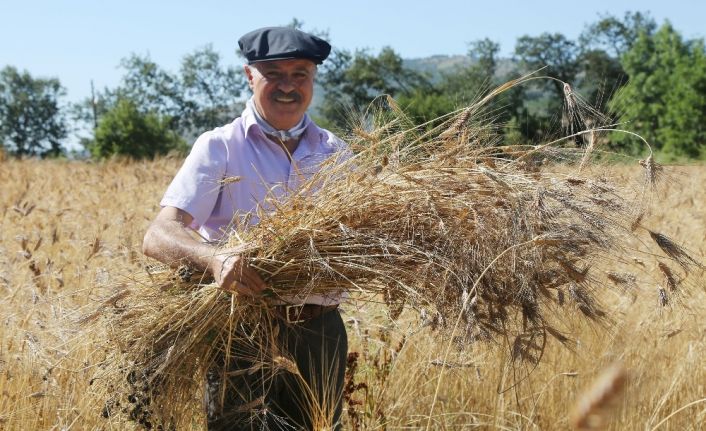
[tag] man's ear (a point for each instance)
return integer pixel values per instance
(249, 75)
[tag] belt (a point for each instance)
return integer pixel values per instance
(300, 313)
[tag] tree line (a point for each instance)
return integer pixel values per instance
(643, 77)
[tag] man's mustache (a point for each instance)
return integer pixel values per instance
(291, 95)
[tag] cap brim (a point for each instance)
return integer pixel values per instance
(262, 60)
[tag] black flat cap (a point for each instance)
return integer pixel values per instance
(281, 43)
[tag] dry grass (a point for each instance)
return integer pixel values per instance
(71, 234)
(60, 266)
(514, 245)
(660, 348)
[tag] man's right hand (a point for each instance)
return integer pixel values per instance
(169, 239)
(232, 272)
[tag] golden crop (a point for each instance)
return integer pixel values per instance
(72, 231)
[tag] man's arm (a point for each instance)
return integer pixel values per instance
(168, 239)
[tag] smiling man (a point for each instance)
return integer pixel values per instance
(271, 147)
(282, 90)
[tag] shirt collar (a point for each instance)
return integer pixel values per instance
(309, 138)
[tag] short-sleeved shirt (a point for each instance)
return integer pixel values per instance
(262, 167)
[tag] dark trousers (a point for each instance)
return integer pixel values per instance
(290, 380)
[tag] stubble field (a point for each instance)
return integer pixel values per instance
(72, 232)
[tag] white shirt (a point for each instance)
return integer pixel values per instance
(240, 149)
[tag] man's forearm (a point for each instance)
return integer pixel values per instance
(170, 242)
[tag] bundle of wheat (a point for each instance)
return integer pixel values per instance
(494, 239)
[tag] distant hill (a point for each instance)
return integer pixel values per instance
(435, 65)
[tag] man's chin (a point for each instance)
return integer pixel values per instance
(287, 118)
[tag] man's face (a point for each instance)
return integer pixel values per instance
(282, 90)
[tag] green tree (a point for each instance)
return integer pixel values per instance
(467, 83)
(150, 87)
(586, 66)
(31, 123)
(683, 131)
(554, 52)
(204, 93)
(125, 130)
(145, 84)
(424, 106)
(210, 91)
(664, 99)
(601, 45)
(545, 99)
(352, 81)
(614, 35)
(601, 75)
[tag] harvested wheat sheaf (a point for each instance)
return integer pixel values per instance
(441, 218)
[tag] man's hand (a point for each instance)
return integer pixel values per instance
(169, 240)
(231, 272)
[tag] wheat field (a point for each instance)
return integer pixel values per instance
(71, 235)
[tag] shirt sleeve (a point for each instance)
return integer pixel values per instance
(196, 187)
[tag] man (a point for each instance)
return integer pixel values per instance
(271, 147)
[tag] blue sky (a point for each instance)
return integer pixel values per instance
(80, 40)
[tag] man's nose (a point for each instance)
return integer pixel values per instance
(285, 84)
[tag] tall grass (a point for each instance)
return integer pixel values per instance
(70, 246)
